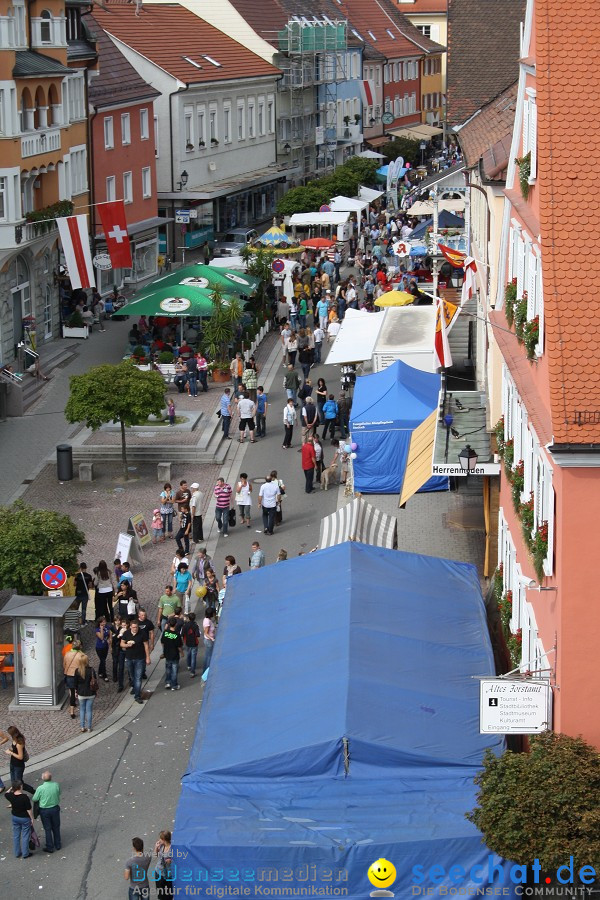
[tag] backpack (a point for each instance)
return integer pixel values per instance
(190, 635)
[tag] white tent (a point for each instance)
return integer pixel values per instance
(359, 521)
(371, 154)
(356, 338)
(318, 218)
(369, 194)
(347, 204)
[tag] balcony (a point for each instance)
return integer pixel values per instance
(349, 133)
(43, 141)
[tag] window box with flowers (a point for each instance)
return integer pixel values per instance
(515, 645)
(539, 549)
(504, 600)
(518, 483)
(524, 164)
(509, 458)
(510, 298)
(499, 432)
(531, 336)
(521, 317)
(527, 517)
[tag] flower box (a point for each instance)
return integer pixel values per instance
(78, 332)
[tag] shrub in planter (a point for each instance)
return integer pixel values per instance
(499, 432)
(75, 320)
(498, 582)
(165, 357)
(521, 317)
(514, 644)
(539, 549)
(527, 518)
(505, 610)
(531, 336)
(518, 483)
(139, 353)
(509, 457)
(510, 298)
(524, 164)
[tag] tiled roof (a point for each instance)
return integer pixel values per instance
(483, 53)
(169, 35)
(28, 62)
(487, 136)
(568, 75)
(382, 24)
(118, 81)
(419, 7)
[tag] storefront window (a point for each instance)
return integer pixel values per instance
(145, 261)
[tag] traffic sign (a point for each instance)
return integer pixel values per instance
(182, 216)
(54, 577)
(324, 207)
(278, 265)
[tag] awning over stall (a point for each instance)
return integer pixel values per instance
(359, 521)
(357, 337)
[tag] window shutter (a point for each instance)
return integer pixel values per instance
(533, 138)
(539, 294)
(511, 263)
(520, 249)
(518, 424)
(549, 561)
(434, 32)
(525, 141)
(531, 282)
(538, 500)
(528, 460)
(525, 627)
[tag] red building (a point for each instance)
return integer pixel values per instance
(124, 158)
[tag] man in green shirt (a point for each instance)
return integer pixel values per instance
(168, 605)
(48, 797)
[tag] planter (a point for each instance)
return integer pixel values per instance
(221, 376)
(69, 332)
(143, 367)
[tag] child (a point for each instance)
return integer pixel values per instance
(171, 412)
(118, 569)
(158, 534)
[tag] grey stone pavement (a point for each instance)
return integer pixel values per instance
(123, 779)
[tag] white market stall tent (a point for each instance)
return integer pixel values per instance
(347, 204)
(357, 337)
(368, 194)
(305, 220)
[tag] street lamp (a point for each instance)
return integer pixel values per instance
(467, 459)
(422, 147)
(286, 149)
(183, 180)
(457, 276)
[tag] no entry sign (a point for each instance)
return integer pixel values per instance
(278, 265)
(54, 577)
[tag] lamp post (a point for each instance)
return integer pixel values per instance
(422, 148)
(467, 459)
(286, 149)
(183, 180)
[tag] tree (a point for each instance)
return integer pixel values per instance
(31, 540)
(345, 180)
(406, 148)
(121, 393)
(219, 331)
(258, 263)
(542, 804)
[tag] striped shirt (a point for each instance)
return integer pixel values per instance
(223, 495)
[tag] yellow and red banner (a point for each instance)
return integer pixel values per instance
(454, 257)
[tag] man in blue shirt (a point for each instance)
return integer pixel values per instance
(262, 404)
(225, 408)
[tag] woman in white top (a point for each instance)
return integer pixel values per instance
(291, 346)
(319, 457)
(243, 498)
(311, 338)
(104, 591)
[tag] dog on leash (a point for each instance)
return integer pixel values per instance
(327, 475)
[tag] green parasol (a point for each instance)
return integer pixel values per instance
(175, 301)
(204, 277)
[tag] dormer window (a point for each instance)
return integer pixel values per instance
(46, 27)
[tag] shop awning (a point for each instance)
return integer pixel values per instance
(370, 154)
(357, 337)
(417, 132)
(347, 204)
(378, 141)
(359, 521)
(318, 218)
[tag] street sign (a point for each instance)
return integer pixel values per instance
(515, 706)
(182, 216)
(278, 265)
(54, 577)
(486, 468)
(324, 208)
(102, 261)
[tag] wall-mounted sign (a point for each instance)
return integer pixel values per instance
(515, 706)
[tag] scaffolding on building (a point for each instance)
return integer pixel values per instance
(313, 61)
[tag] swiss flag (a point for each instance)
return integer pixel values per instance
(114, 225)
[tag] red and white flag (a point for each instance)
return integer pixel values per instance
(367, 92)
(114, 225)
(76, 247)
(442, 347)
(470, 280)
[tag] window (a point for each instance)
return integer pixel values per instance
(144, 130)
(45, 27)
(201, 122)
(78, 157)
(261, 117)
(47, 312)
(271, 114)
(355, 65)
(530, 134)
(3, 199)
(212, 123)
(188, 127)
(227, 122)
(146, 182)
(397, 107)
(111, 188)
(73, 98)
(425, 30)
(125, 128)
(109, 137)
(156, 136)
(378, 76)
(386, 74)
(241, 120)
(251, 119)
(127, 187)
(2, 115)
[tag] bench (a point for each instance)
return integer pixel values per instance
(167, 370)
(6, 668)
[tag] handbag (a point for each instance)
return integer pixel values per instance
(36, 809)
(94, 683)
(34, 841)
(232, 518)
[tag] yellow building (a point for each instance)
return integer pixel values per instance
(44, 61)
(431, 18)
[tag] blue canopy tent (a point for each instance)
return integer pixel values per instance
(338, 726)
(445, 220)
(386, 409)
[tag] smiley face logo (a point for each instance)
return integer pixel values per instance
(381, 873)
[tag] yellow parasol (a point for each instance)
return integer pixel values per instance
(395, 298)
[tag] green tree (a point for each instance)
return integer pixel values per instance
(258, 263)
(220, 329)
(542, 804)
(345, 180)
(31, 540)
(404, 147)
(121, 393)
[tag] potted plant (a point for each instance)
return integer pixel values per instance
(189, 146)
(346, 121)
(165, 357)
(356, 118)
(75, 327)
(214, 142)
(219, 333)
(201, 143)
(140, 358)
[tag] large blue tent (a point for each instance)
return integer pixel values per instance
(446, 219)
(339, 725)
(386, 408)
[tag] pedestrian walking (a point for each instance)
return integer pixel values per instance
(118, 654)
(102, 639)
(262, 404)
(166, 508)
(330, 412)
(164, 865)
(257, 558)
(196, 501)
(222, 494)
(318, 457)
(171, 412)
(344, 407)
(18, 754)
(291, 383)
(250, 380)
(104, 590)
(309, 460)
(268, 498)
(236, 370)
(247, 409)
(323, 311)
(278, 507)
(202, 364)
(289, 420)
(86, 685)
(183, 532)
(47, 795)
(309, 419)
(190, 634)
(319, 336)
(172, 644)
(70, 663)
(146, 627)
(183, 585)
(83, 585)
(136, 871)
(231, 568)
(209, 630)
(22, 819)
(158, 534)
(136, 648)
(243, 499)
(168, 605)
(225, 410)
(321, 394)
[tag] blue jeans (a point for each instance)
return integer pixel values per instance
(193, 383)
(268, 514)
(261, 425)
(225, 424)
(318, 346)
(292, 394)
(135, 668)
(167, 520)
(192, 653)
(86, 705)
(51, 822)
(222, 517)
(21, 831)
(208, 651)
(171, 671)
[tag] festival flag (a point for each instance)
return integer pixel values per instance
(76, 248)
(469, 285)
(367, 92)
(114, 225)
(442, 347)
(455, 257)
(451, 311)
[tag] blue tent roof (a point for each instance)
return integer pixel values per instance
(340, 721)
(445, 220)
(386, 408)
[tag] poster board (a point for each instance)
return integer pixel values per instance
(137, 526)
(515, 706)
(128, 548)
